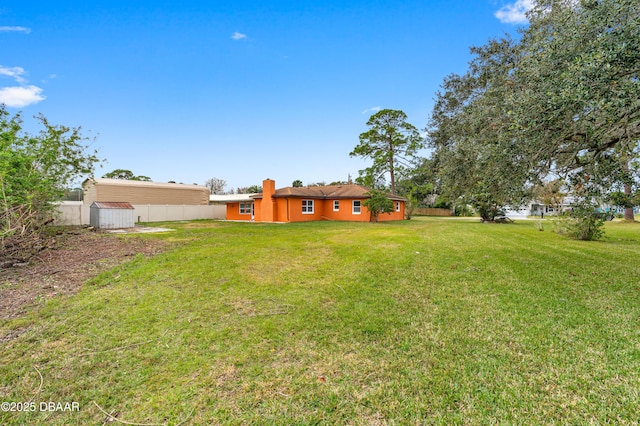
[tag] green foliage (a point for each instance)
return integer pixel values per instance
(442, 203)
(486, 205)
(73, 194)
(371, 180)
(253, 189)
(564, 96)
(391, 142)
(125, 175)
(34, 173)
(583, 222)
(419, 183)
(377, 203)
(297, 183)
(620, 199)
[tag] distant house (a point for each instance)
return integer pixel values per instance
(292, 204)
(538, 209)
(139, 192)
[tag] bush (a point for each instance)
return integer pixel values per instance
(34, 171)
(583, 222)
(377, 203)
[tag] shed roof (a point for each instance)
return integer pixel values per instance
(230, 198)
(112, 205)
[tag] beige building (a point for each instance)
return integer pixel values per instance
(137, 192)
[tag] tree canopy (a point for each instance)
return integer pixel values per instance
(564, 96)
(124, 174)
(391, 142)
(35, 171)
(216, 185)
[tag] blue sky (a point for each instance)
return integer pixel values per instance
(242, 90)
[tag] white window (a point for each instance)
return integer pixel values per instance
(336, 205)
(307, 206)
(397, 206)
(356, 207)
(245, 208)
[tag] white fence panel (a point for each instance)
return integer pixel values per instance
(73, 213)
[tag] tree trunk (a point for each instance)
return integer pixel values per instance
(628, 211)
(392, 169)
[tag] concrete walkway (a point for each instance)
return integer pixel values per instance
(138, 230)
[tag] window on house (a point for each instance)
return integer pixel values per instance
(245, 208)
(356, 207)
(397, 206)
(336, 205)
(307, 206)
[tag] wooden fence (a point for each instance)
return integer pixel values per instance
(431, 212)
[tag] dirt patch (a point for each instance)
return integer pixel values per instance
(77, 256)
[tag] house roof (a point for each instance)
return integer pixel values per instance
(230, 198)
(332, 192)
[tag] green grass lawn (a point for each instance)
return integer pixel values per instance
(428, 321)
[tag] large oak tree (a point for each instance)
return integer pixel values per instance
(560, 99)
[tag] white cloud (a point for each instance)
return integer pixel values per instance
(515, 13)
(238, 36)
(6, 29)
(372, 110)
(18, 97)
(14, 72)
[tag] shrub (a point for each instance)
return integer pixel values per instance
(34, 171)
(583, 222)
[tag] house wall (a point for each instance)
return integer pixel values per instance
(345, 211)
(295, 210)
(282, 213)
(257, 206)
(323, 210)
(233, 212)
(394, 215)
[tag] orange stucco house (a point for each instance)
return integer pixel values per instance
(290, 204)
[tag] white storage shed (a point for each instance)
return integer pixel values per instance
(111, 215)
